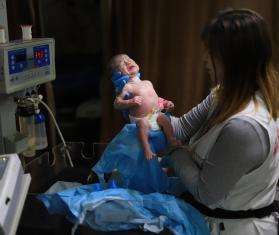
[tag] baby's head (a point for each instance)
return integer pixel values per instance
(123, 64)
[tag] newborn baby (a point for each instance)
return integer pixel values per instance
(143, 103)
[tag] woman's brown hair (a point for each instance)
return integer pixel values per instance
(241, 41)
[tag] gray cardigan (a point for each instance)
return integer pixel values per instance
(241, 147)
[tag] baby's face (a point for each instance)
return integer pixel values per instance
(127, 66)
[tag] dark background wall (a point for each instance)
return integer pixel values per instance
(76, 27)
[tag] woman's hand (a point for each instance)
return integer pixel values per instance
(169, 150)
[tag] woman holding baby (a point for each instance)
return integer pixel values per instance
(232, 163)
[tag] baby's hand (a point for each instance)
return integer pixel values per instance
(137, 100)
(169, 105)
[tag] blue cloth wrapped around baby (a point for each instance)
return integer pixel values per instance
(124, 154)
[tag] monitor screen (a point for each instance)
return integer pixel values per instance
(20, 58)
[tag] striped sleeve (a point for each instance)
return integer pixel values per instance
(188, 124)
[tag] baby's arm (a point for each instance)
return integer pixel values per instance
(121, 103)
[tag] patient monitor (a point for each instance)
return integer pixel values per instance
(23, 65)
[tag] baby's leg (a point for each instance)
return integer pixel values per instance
(165, 123)
(143, 126)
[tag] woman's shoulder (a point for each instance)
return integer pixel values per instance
(245, 131)
(242, 124)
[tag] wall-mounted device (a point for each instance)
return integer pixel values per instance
(25, 64)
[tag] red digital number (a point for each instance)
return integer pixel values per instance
(39, 54)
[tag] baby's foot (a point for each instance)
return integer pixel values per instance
(175, 142)
(149, 154)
